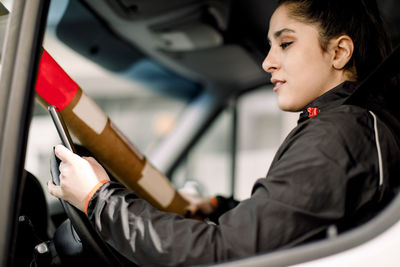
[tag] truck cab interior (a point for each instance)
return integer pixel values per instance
(202, 58)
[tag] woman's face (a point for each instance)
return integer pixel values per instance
(301, 71)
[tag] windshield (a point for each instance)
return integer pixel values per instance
(139, 100)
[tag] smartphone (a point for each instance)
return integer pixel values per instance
(61, 128)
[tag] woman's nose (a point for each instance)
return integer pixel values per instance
(270, 64)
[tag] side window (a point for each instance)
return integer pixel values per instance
(261, 127)
(208, 164)
(260, 124)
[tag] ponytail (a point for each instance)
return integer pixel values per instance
(359, 19)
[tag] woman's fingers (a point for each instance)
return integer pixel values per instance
(65, 168)
(54, 190)
(198, 205)
(64, 153)
(62, 167)
(191, 210)
(78, 176)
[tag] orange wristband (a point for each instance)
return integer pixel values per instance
(92, 192)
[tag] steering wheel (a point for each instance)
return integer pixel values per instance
(76, 239)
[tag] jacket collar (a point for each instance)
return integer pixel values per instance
(333, 98)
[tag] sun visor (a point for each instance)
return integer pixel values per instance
(84, 33)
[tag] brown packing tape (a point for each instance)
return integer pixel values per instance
(107, 146)
(178, 205)
(118, 156)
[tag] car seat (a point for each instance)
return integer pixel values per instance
(32, 220)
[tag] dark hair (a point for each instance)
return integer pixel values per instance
(359, 19)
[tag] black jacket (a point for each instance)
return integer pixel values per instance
(336, 168)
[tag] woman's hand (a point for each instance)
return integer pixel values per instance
(198, 206)
(78, 176)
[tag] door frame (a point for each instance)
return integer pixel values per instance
(21, 54)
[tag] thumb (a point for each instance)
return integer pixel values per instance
(63, 153)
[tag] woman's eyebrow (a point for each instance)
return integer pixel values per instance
(279, 33)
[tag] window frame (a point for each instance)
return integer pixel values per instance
(23, 40)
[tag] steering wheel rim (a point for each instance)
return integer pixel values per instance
(89, 238)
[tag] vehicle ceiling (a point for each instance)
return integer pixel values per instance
(219, 42)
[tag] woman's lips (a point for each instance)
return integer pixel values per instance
(277, 84)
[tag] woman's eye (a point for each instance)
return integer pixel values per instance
(285, 44)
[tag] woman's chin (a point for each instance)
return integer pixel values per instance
(289, 107)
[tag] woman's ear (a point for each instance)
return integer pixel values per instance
(342, 48)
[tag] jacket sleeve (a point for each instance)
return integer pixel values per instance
(304, 193)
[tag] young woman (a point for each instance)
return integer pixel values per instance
(333, 171)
